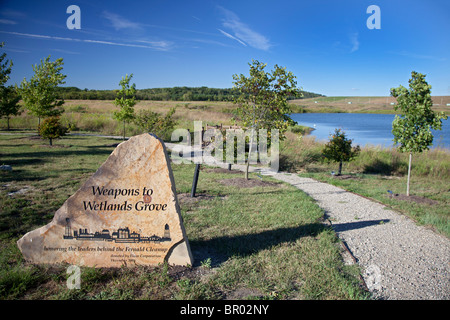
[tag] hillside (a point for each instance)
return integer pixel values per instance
(359, 104)
(160, 94)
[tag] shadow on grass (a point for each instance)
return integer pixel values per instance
(220, 249)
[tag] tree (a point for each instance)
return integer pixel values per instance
(125, 100)
(412, 128)
(9, 103)
(9, 98)
(263, 100)
(339, 149)
(5, 67)
(51, 128)
(40, 94)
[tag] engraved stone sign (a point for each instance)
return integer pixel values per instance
(126, 213)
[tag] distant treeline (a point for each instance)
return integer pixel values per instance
(160, 94)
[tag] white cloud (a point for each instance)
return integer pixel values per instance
(231, 37)
(6, 21)
(161, 45)
(119, 22)
(354, 41)
(242, 32)
(155, 45)
(419, 56)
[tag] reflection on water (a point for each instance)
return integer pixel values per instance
(364, 129)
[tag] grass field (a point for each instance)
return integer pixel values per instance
(96, 115)
(359, 104)
(263, 242)
(375, 171)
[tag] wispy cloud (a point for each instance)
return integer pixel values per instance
(354, 42)
(162, 44)
(119, 22)
(65, 51)
(14, 14)
(7, 21)
(242, 32)
(418, 56)
(155, 45)
(231, 37)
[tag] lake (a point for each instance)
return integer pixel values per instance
(365, 129)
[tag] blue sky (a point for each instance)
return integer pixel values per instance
(326, 44)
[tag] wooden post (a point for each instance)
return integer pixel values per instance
(409, 174)
(194, 182)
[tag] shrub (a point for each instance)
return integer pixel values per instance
(339, 149)
(162, 126)
(51, 128)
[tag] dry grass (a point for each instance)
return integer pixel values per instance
(361, 104)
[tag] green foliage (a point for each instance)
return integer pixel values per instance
(51, 128)
(9, 98)
(125, 100)
(39, 94)
(9, 103)
(412, 129)
(153, 122)
(263, 99)
(5, 67)
(339, 149)
(160, 94)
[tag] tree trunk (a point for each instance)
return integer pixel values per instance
(249, 155)
(123, 130)
(340, 168)
(409, 174)
(51, 142)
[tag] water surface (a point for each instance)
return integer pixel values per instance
(365, 129)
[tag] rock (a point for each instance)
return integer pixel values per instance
(5, 167)
(127, 213)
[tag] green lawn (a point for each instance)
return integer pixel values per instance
(264, 242)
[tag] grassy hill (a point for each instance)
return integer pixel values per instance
(359, 104)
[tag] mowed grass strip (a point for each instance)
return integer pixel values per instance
(263, 242)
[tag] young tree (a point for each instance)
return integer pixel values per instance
(5, 67)
(51, 128)
(263, 100)
(125, 100)
(412, 128)
(39, 95)
(9, 98)
(339, 149)
(9, 103)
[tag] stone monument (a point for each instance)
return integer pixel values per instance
(127, 213)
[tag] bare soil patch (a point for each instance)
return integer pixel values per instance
(346, 177)
(244, 183)
(413, 198)
(185, 198)
(222, 170)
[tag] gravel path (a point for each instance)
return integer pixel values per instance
(400, 260)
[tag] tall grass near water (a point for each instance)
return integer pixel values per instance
(377, 170)
(304, 154)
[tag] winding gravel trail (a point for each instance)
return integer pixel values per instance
(400, 260)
